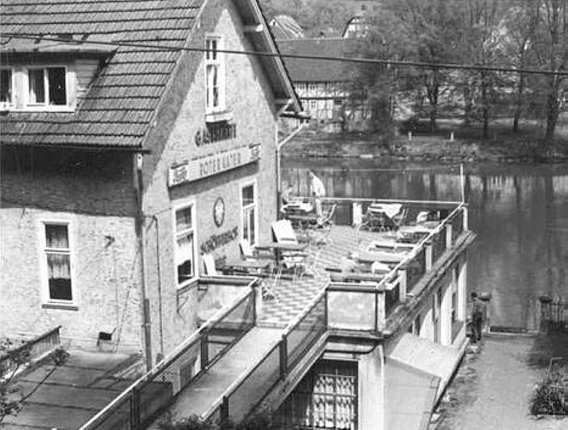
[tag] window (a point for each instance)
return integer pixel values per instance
(248, 204)
(214, 75)
(313, 105)
(326, 398)
(47, 86)
(185, 244)
(58, 258)
(6, 86)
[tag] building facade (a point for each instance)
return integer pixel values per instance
(122, 163)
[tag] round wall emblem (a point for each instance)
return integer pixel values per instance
(219, 212)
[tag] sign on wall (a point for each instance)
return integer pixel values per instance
(213, 164)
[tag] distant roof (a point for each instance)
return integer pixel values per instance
(286, 27)
(120, 105)
(314, 70)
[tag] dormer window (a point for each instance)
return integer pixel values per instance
(214, 74)
(6, 87)
(47, 87)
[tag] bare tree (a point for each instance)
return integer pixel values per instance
(550, 48)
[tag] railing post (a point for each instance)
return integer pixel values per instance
(224, 410)
(380, 314)
(135, 409)
(204, 352)
(465, 218)
(428, 256)
(255, 305)
(283, 357)
(449, 235)
(326, 310)
(402, 283)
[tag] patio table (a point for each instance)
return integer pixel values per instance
(247, 266)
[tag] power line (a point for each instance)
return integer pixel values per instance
(360, 60)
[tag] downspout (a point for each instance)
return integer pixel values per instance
(145, 305)
(279, 145)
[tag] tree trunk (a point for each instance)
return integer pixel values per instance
(518, 103)
(468, 101)
(552, 108)
(485, 106)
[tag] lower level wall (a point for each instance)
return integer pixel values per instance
(105, 277)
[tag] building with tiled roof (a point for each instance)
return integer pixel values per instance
(132, 144)
(323, 85)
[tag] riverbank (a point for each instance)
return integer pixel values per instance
(494, 385)
(446, 146)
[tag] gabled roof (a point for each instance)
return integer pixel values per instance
(119, 107)
(314, 70)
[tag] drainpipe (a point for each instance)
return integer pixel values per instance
(279, 145)
(145, 304)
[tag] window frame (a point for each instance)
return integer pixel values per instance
(218, 62)
(177, 235)
(45, 106)
(44, 270)
(246, 208)
(11, 101)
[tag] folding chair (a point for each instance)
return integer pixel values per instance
(284, 233)
(248, 252)
(209, 265)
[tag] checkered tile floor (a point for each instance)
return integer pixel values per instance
(285, 298)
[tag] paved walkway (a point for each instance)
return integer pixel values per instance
(492, 390)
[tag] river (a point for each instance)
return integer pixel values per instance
(519, 213)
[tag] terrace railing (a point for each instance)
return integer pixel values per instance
(296, 341)
(361, 307)
(29, 351)
(145, 399)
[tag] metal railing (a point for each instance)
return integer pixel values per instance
(30, 350)
(297, 339)
(339, 306)
(147, 397)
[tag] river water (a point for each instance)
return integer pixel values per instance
(519, 213)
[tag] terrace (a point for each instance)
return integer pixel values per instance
(270, 329)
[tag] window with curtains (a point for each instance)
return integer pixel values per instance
(248, 204)
(326, 398)
(185, 244)
(58, 257)
(214, 74)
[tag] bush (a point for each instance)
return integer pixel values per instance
(550, 396)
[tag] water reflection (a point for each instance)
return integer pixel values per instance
(520, 214)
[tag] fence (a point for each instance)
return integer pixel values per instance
(553, 314)
(31, 350)
(144, 400)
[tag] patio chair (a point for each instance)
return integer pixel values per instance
(308, 266)
(249, 253)
(209, 265)
(284, 233)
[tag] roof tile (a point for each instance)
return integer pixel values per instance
(118, 107)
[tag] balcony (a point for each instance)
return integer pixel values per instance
(290, 327)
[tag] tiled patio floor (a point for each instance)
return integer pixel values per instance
(292, 296)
